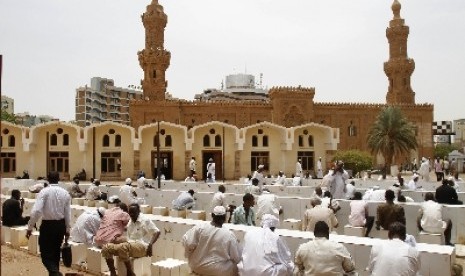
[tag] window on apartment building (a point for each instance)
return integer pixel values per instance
(218, 141)
(265, 141)
(106, 141)
(168, 141)
(259, 158)
(53, 140)
(206, 140)
(66, 140)
(117, 140)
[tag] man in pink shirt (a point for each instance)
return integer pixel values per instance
(112, 225)
(359, 214)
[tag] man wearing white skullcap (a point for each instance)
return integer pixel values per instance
(86, 226)
(258, 174)
(211, 249)
(264, 252)
(128, 195)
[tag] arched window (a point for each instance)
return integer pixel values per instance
(310, 141)
(217, 141)
(11, 141)
(117, 140)
(254, 141)
(1, 141)
(301, 141)
(155, 140)
(65, 140)
(106, 140)
(206, 141)
(168, 141)
(265, 140)
(53, 140)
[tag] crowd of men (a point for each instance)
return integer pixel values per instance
(211, 249)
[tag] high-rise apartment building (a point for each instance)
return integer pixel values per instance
(103, 101)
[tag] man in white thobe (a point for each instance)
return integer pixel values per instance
(267, 203)
(218, 197)
(412, 184)
(185, 200)
(298, 168)
(319, 167)
(424, 169)
(264, 253)
(280, 180)
(338, 181)
(258, 174)
(210, 171)
(210, 249)
(128, 195)
(86, 226)
(394, 256)
(430, 218)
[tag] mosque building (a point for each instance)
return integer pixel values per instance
(240, 126)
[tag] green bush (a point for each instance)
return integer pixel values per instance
(355, 160)
(442, 150)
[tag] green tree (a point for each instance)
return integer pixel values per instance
(355, 160)
(8, 117)
(442, 150)
(391, 134)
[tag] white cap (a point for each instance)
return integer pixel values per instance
(101, 211)
(269, 221)
(128, 180)
(261, 166)
(415, 176)
(219, 211)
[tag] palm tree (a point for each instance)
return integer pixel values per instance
(391, 134)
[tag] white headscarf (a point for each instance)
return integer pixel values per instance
(271, 239)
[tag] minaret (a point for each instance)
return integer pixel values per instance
(399, 67)
(154, 59)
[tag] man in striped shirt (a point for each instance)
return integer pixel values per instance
(53, 205)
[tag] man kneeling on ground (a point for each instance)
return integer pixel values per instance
(141, 235)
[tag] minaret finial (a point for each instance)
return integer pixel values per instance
(396, 6)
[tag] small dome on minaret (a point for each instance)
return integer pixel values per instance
(396, 6)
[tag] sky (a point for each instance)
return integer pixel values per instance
(52, 47)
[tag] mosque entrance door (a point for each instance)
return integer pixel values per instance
(166, 164)
(217, 158)
(59, 162)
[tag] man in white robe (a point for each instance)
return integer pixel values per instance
(319, 167)
(86, 226)
(298, 168)
(424, 169)
(258, 174)
(338, 179)
(264, 253)
(210, 171)
(210, 249)
(267, 203)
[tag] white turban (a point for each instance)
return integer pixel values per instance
(219, 211)
(101, 211)
(128, 181)
(269, 221)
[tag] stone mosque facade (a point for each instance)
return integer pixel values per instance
(239, 131)
(285, 106)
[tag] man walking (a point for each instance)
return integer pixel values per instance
(54, 206)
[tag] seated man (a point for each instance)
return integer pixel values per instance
(245, 214)
(267, 203)
(412, 184)
(75, 191)
(128, 194)
(94, 193)
(253, 189)
(430, 218)
(141, 235)
(87, 225)
(36, 188)
(280, 179)
(184, 201)
(12, 210)
(389, 212)
(218, 198)
(394, 256)
(265, 253)
(113, 225)
(318, 213)
(359, 214)
(211, 249)
(321, 256)
(445, 194)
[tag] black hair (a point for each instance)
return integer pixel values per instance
(397, 230)
(321, 229)
(247, 197)
(357, 195)
(389, 195)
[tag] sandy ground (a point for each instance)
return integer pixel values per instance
(19, 262)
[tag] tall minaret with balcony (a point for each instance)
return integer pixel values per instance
(154, 59)
(399, 67)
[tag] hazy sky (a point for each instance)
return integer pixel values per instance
(51, 47)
